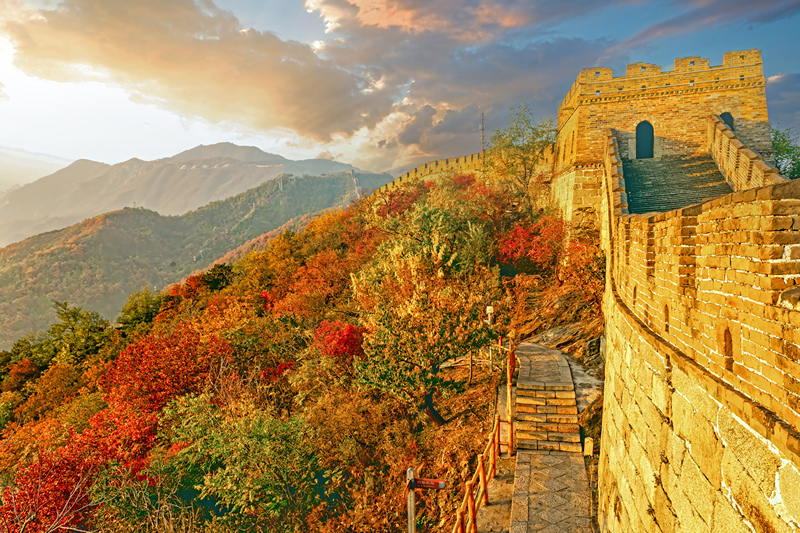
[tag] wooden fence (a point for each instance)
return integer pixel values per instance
(476, 491)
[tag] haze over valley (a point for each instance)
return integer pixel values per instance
(76, 236)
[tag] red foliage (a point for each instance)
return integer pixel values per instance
(155, 370)
(123, 433)
(464, 181)
(316, 282)
(19, 374)
(341, 341)
(399, 200)
(49, 494)
(272, 374)
(536, 247)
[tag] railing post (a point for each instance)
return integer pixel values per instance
(497, 439)
(482, 477)
(509, 406)
(459, 521)
(471, 507)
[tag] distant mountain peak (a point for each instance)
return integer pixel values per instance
(245, 154)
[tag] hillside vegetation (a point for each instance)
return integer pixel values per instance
(284, 391)
(97, 263)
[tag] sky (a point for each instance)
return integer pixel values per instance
(382, 84)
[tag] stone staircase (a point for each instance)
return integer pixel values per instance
(664, 185)
(546, 411)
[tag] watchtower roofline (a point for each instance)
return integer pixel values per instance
(598, 85)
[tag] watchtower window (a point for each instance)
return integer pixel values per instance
(644, 87)
(691, 83)
(727, 118)
(596, 74)
(741, 78)
(691, 63)
(741, 57)
(643, 69)
(644, 140)
(597, 93)
(666, 319)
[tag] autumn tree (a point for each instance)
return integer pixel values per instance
(515, 151)
(787, 152)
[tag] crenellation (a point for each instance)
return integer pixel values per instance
(702, 302)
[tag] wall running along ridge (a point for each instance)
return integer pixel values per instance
(702, 304)
(438, 168)
(702, 393)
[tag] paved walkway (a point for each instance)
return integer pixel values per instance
(551, 489)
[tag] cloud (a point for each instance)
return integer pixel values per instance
(703, 14)
(465, 21)
(3, 95)
(196, 59)
(326, 154)
(783, 94)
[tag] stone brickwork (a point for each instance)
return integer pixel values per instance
(742, 167)
(676, 103)
(702, 402)
(434, 169)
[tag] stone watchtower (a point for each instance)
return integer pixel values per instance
(656, 115)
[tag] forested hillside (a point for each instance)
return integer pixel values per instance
(96, 264)
(284, 391)
(170, 186)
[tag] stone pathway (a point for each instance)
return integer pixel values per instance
(551, 489)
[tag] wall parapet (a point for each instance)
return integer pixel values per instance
(432, 169)
(715, 281)
(742, 167)
(700, 413)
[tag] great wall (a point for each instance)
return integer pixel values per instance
(702, 300)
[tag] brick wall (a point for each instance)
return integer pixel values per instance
(702, 399)
(433, 169)
(677, 103)
(742, 167)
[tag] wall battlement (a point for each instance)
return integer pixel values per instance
(701, 413)
(702, 404)
(433, 169)
(645, 80)
(743, 168)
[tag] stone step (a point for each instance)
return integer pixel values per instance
(547, 417)
(538, 393)
(548, 409)
(549, 445)
(551, 436)
(663, 185)
(527, 400)
(547, 427)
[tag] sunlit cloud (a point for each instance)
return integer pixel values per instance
(393, 83)
(196, 61)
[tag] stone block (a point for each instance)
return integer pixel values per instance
(752, 451)
(726, 519)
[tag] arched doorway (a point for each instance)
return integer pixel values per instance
(727, 118)
(644, 140)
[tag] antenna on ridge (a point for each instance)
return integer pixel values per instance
(483, 135)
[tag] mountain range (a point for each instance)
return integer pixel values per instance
(169, 186)
(98, 262)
